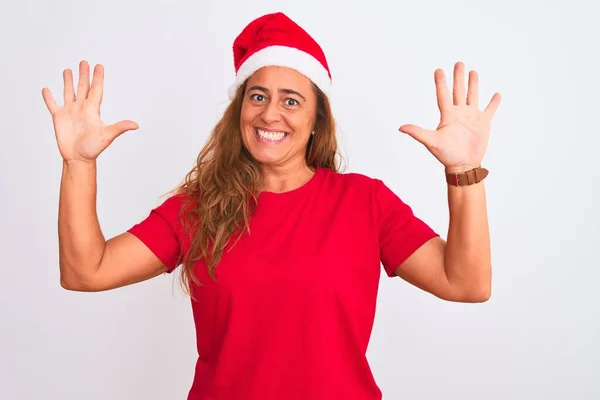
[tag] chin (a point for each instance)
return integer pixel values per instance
(267, 158)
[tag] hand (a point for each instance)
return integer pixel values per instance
(80, 133)
(461, 138)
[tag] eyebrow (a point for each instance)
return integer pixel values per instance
(287, 91)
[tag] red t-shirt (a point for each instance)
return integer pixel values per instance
(291, 312)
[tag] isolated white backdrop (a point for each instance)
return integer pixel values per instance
(168, 65)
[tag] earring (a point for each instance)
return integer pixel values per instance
(312, 133)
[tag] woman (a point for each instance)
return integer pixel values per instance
(279, 251)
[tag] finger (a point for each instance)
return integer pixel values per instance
(491, 108)
(121, 127)
(83, 86)
(97, 88)
(459, 84)
(68, 91)
(421, 135)
(53, 107)
(442, 91)
(473, 93)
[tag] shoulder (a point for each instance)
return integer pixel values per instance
(171, 206)
(352, 190)
(170, 202)
(352, 182)
(348, 177)
(363, 190)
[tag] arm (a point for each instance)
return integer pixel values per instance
(88, 262)
(468, 263)
(459, 269)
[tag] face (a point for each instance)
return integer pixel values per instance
(278, 115)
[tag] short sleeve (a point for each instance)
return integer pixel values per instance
(160, 231)
(401, 233)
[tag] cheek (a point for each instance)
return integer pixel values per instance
(303, 125)
(244, 116)
(248, 113)
(301, 120)
(246, 121)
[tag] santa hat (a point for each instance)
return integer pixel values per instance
(276, 40)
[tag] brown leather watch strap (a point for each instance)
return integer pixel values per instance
(467, 178)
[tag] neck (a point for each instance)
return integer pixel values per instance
(286, 178)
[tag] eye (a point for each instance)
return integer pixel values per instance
(291, 102)
(257, 97)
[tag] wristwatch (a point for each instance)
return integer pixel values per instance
(467, 178)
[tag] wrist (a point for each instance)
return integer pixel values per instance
(465, 175)
(456, 169)
(77, 162)
(78, 166)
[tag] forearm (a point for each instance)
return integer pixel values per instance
(81, 242)
(467, 253)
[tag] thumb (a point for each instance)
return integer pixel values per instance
(121, 127)
(421, 135)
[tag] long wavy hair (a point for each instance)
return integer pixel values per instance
(220, 193)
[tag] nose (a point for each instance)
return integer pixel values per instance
(271, 113)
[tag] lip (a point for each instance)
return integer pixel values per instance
(269, 141)
(271, 130)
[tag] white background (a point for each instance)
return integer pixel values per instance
(168, 65)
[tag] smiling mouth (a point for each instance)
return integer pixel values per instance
(270, 137)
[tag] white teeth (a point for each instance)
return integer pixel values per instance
(274, 136)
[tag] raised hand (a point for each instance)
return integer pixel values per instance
(80, 133)
(461, 138)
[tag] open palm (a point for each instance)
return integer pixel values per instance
(461, 138)
(80, 133)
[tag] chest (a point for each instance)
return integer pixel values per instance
(306, 248)
(308, 272)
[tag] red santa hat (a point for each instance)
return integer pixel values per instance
(276, 40)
